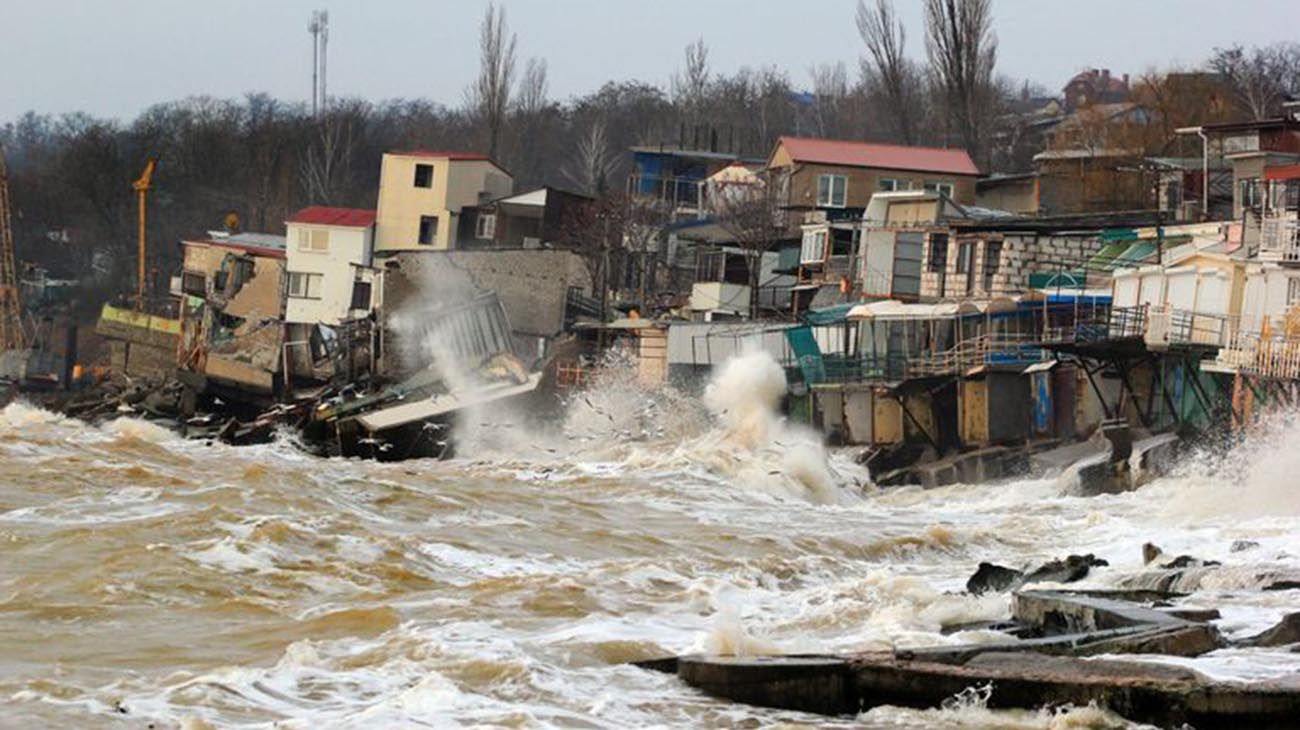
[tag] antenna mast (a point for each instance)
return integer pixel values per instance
(320, 36)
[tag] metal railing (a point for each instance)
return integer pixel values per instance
(681, 193)
(998, 349)
(1269, 348)
(1096, 324)
(1166, 327)
(1280, 238)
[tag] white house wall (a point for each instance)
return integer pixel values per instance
(337, 266)
(1180, 289)
(1125, 292)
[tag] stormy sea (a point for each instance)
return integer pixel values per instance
(150, 581)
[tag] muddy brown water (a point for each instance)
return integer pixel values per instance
(147, 581)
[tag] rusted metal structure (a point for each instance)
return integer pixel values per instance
(12, 336)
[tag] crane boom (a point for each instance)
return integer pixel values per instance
(141, 188)
(12, 336)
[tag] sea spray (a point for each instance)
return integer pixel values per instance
(1256, 478)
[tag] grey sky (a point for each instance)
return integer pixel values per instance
(116, 57)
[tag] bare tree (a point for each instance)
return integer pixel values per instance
(962, 49)
(328, 157)
(643, 221)
(690, 87)
(489, 95)
(533, 87)
(593, 163)
(884, 36)
(749, 209)
(830, 96)
(1260, 78)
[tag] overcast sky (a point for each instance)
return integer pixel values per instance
(116, 57)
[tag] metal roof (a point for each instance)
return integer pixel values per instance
(326, 216)
(888, 156)
(264, 243)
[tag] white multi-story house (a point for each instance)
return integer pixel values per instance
(328, 276)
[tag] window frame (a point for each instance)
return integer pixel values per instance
(423, 170)
(485, 226)
(820, 239)
(940, 241)
(306, 277)
(887, 185)
(307, 240)
(939, 186)
(830, 180)
(992, 262)
(965, 257)
(191, 275)
(432, 220)
(370, 295)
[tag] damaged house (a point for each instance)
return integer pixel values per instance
(331, 293)
(232, 308)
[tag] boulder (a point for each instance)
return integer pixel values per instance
(1242, 545)
(1287, 631)
(999, 579)
(993, 578)
(1073, 568)
(1152, 553)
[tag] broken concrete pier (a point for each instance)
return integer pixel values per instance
(1049, 668)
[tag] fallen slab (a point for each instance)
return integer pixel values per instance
(1050, 668)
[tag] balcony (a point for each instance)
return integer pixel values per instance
(1279, 239)
(685, 195)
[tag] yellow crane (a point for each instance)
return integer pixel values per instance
(12, 336)
(141, 187)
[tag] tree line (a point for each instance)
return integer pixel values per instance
(263, 158)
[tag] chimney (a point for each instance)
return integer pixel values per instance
(1126, 81)
(1105, 77)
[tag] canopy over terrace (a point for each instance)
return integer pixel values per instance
(897, 340)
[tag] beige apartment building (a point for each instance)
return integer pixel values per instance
(422, 194)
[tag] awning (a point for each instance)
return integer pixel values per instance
(834, 314)
(889, 310)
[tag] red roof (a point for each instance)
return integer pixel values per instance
(1282, 172)
(445, 155)
(888, 156)
(326, 216)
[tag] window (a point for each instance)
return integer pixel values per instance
(485, 226)
(992, 261)
(316, 240)
(938, 252)
(831, 190)
(887, 184)
(428, 229)
(196, 285)
(1292, 292)
(939, 187)
(813, 250)
(1250, 197)
(966, 263)
(424, 176)
(965, 252)
(360, 295)
(305, 286)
